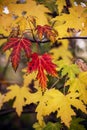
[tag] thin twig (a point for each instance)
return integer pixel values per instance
(53, 85)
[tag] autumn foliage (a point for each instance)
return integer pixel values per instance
(17, 44)
(46, 31)
(54, 79)
(42, 64)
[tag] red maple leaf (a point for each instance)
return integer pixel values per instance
(46, 31)
(17, 44)
(43, 64)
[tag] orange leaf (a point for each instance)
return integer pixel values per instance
(42, 64)
(46, 31)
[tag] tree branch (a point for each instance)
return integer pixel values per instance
(72, 38)
(44, 41)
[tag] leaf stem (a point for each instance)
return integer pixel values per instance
(53, 85)
(64, 90)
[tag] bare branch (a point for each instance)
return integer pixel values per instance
(46, 40)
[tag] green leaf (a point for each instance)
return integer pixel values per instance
(70, 70)
(75, 124)
(37, 126)
(52, 126)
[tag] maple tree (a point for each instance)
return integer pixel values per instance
(52, 79)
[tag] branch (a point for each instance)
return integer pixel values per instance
(44, 41)
(72, 38)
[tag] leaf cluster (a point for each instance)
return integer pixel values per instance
(65, 95)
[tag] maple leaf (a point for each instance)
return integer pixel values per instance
(52, 126)
(17, 44)
(29, 77)
(22, 97)
(72, 20)
(42, 63)
(37, 126)
(31, 9)
(79, 84)
(61, 52)
(76, 124)
(61, 4)
(46, 31)
(53, 100)
(70, 70)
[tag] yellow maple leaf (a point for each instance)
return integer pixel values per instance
(23, 92)
(61, 4)
(31, 9)
(62, 52)
(73, 20)
(79, 84)
(22, 22)
(20, 94)
(29, 77)
(1, 100)
(53, 100)
(34, 97)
